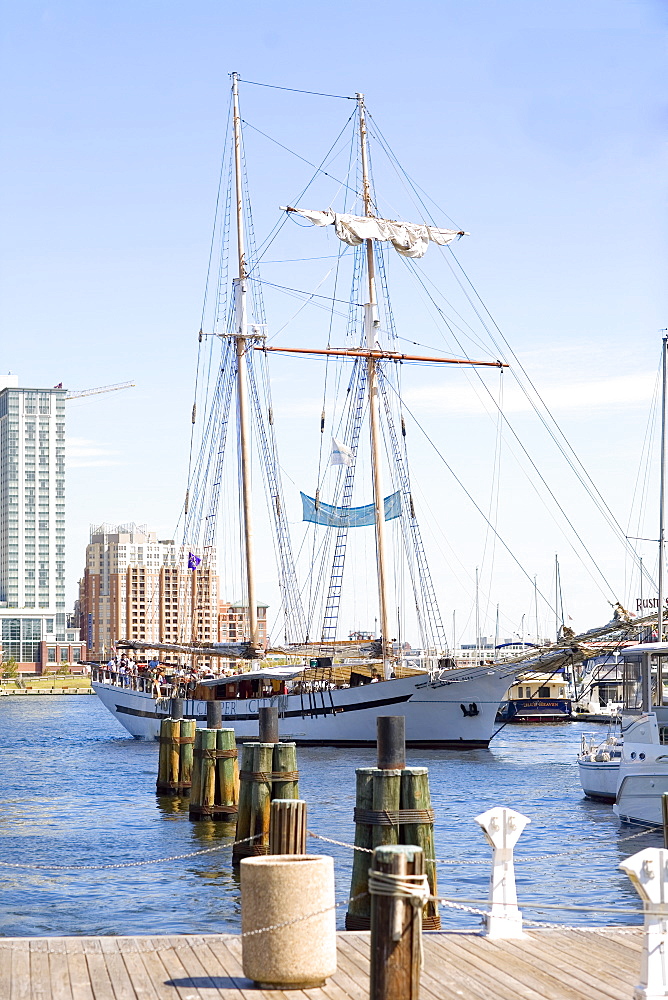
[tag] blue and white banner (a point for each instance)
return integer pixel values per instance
(348, 517)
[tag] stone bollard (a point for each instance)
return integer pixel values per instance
(502, 828)
(289, 900)
(648, 871)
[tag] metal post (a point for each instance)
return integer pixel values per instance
(391, 742)
(268, 725)
(214, 715)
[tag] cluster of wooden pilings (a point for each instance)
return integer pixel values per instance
(392, 807)
(175, 760)
(268, 772)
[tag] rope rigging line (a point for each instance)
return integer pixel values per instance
(578, 469)
(524, 450)
(295, 90)
(287, 149)
(283, 218)
(477, 507)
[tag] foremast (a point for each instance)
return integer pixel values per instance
(241, 338)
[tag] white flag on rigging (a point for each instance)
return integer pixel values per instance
(341, 454)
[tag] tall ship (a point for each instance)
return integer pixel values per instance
(328, 690)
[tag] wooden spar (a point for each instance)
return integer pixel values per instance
(381, 355)
(662, 497)
(370, 326)
(241, 341)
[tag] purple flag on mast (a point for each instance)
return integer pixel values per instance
(193, 560)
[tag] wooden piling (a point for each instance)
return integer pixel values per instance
(415, 795)
(358, 915)
(261, 796)
(186, 746)
(227, 778)
(386, 799)
(203, 790)
(396, 929)
(391, 742)
(244, 806)
(168, 761)
(284, 763)
(287, 827)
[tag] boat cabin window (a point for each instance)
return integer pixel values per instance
(543, 692)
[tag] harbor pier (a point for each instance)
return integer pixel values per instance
(555, 964)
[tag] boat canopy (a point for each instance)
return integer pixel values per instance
(267, 673)
(410, 239)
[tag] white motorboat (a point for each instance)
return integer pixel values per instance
(598, 764)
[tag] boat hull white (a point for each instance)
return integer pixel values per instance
(599, 779)
(639, 797)
(452, 713)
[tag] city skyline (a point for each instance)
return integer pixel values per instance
(540, 133)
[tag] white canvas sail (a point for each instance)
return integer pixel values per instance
(410, 239)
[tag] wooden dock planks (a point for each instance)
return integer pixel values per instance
(547, 965)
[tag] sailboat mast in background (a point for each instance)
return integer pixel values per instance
(241, 340)
(370, 328)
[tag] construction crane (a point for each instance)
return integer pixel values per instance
(78, 393)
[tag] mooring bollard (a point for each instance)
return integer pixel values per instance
(648, 871)
(268, 771)
(288, 921)
(268, 724)
(502, 828)
(214, 715)
(398, 889)
(177, 708)
(287, 826)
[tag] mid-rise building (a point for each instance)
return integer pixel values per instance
(134, 588)
(233, 625)
(33, 619)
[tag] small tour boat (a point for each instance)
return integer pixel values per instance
(537, 697)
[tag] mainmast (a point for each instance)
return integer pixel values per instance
(242, 343)
(662, 490)
(370, 328)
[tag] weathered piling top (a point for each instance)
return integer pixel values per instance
(550, 964)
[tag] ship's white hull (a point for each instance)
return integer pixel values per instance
(439, 713)
(639, 796)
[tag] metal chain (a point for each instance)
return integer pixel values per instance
(129, 864)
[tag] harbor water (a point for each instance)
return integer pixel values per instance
(78, 793)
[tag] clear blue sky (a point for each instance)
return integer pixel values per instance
(538, 127)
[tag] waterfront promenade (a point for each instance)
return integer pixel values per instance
(547, 965)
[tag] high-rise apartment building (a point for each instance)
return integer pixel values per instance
(134, 588)
(233, 623)
(33, 619)
(32, 499)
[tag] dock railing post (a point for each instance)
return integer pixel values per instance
(398, 888)
(648, 871)
(287, 826)
(502, 828)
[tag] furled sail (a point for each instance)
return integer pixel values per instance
(410, 239)
(348, 517)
